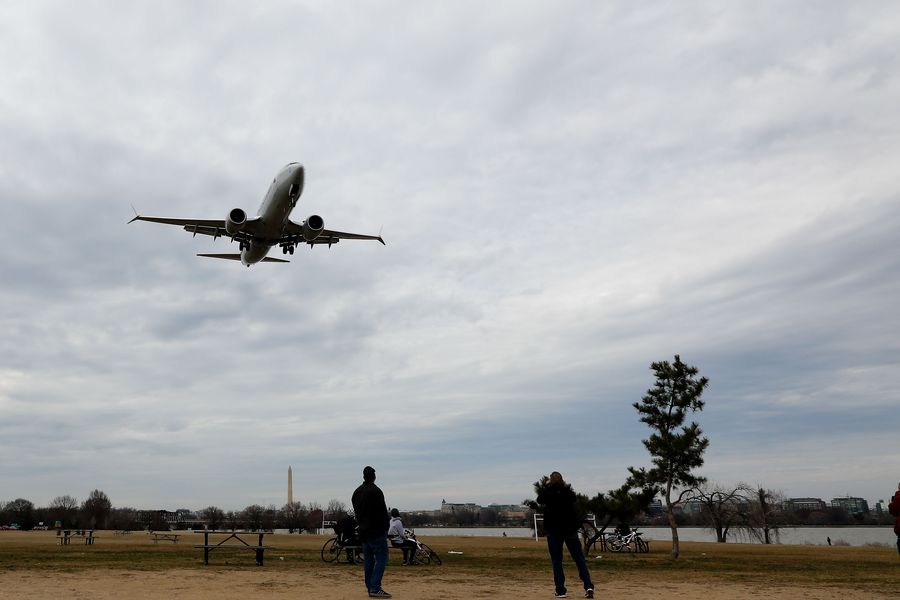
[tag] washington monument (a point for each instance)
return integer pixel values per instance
(290, 487)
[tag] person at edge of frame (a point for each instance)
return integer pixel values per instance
(894, 509)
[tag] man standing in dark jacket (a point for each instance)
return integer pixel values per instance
(561, 524)
(894, 509)
(373, 520)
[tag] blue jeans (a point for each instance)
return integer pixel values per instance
(375, 555)
(555, 545)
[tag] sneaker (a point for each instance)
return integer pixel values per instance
(589, 593)
(379, 594)
(558, 595)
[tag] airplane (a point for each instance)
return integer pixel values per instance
(271, 227)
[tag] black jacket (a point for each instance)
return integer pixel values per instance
(560, 517)
(371, 511)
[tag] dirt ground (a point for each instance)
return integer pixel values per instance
(33, 566)
(338, 585)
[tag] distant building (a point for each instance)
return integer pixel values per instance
(805, 504)
(854, 506)
(450, 507)
(880, 507)
(509, 512)
(656, 508)
(158, 519)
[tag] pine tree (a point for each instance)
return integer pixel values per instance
(676, 450)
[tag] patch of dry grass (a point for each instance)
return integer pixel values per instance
(468, 559)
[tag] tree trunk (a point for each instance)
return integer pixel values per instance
(721, 534)
(673, 524)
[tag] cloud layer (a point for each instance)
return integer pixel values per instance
(568, 193)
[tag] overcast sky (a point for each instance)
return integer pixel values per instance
(569, 191)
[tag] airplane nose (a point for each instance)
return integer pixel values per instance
(299, 176)
(296, 178)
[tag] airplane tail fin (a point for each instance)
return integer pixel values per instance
(238, 257)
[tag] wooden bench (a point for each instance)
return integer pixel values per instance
(259, 549)
(165, 537)
(351, 551)
(65, 536)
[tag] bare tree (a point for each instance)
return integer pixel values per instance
(253, 516)
(95, 510)
(63, 509)
(294, 516)
(315, 516)
(269, 517)
(765, 516)
(214, 517)
(123, 519)
(20, 512)
(335, 510)
(721, 507)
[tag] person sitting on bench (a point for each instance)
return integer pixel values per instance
(397, 534)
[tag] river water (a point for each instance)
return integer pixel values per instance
(854, 536)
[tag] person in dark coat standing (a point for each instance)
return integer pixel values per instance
(894, 509)
(561, 524)
(373, 520)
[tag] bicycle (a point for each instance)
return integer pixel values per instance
(334, 548)
(345, 542)
(632, 542)
(423, 554)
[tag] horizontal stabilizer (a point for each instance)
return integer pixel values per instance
(238, 257)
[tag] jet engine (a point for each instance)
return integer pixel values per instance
(312, 227)
(235, 221)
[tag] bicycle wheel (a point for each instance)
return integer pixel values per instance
(422, 555)
(331, 550)
(643, 546)
(432, 555)
(615, 544)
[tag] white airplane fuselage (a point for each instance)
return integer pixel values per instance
(276, 207)
(270, 227)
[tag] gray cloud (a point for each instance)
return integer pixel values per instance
(567, 194)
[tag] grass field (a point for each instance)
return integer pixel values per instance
(872, 570)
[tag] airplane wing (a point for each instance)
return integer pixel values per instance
(212, 227)
(293, 234)
(340, 235)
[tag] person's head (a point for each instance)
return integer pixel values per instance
(556, 478)
(368, 474)
(395, 512)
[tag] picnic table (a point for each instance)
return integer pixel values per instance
(164, 537)
(239, 543)
(65, 536)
